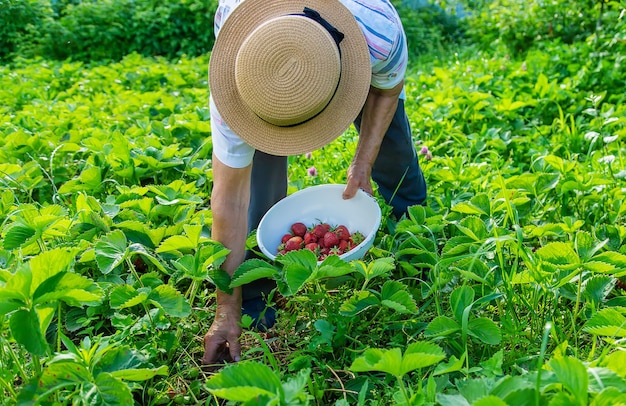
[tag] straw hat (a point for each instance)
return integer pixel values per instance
(279, 79)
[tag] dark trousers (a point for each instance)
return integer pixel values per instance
(396, 172)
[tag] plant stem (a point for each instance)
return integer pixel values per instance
(136, 275)
(403, 390)
(544, 344)
(59, 325)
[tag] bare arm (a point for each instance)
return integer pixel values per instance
(378, 111)
(229, 204)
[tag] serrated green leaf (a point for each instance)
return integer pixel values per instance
(26, 330)
(122, 295)
(395, 295)
(610, 397)
(140, 374)
(441, 326)
(71, 288)
(490, 401)
(244, 381)
(379, 267)
(48, 264)
(600, 267)
(252, 270)
(333, 267)
(572, 374)
(485, 330)
(358, 302)
(418, 355)
(301, 258)
(614, 258)
(177, 244)
(559, 254)
(108, 390)
(600, 378)
(296, 275)
(111, 251)
(170, 300)
(54, 377)
(598, 287)
(615, 361)
(221, 279)
(453, 365)
(607, 322)
(467, 208)
(19, 235)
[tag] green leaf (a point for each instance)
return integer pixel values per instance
(296, 275)
(55, 376)
(124, 296)
(26, 330)
(610, 397)
(572, 374)
(560, 255)
(490, 401)
(108, 390)
(608, 322)
(221, 279)
(302, 258)
(618, 260)
(140, 374)
(376, 359)
(441, 326)
(467, 208)
(333, 267)
(461, 297)
(485, 330)
(177, 244)
(395, 295)
(48, 264)
(360, 301)
(170, 300)
(378, 267)
(615, 361)
(418, 355)
(71, 288)
(19, 235)
(244, 381)
(453, 365)
(597, 288)
(252, 270)
(111, 251)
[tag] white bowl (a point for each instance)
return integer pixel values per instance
(322, 203)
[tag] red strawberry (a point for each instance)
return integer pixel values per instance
(342, 232)
(309, 237)
(294, 243)
(298, 229)
(312, 246)
(319, 231)
(330, 239)
(285, 238)
(344, 246)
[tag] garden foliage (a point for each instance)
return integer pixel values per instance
(506, 288)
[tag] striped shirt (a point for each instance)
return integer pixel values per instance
(383, 33)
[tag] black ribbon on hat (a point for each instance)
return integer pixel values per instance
(315, 16)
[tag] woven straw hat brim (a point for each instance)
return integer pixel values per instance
(320, 130)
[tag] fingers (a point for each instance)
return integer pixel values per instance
(350, 190)
(218, 350)
(234, 349)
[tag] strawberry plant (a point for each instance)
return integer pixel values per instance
(506, 287)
